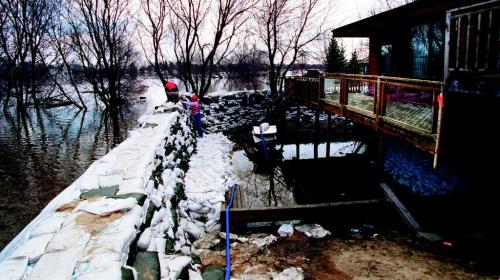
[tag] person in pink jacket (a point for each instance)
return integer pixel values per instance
(195, 107)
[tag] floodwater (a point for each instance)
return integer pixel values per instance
(292, 174)
(43, 153)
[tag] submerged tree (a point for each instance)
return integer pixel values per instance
(199, 46)
(99, 38)
(23, 34)
(286, 28)
(335, 58)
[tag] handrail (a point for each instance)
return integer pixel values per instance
(380, 92)
(410, 105)
(381, 77)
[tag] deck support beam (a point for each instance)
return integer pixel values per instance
(403, 212)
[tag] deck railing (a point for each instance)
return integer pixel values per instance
(407, 104)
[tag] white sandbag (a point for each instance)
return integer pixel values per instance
(134, 185)
(101, 166)
(68, 237)
(170, 233)
(50, 225)
(59, 264)
(161, 244)
(212, 226)
(131, 173)
(156, 200)
(130, 221)
(194, 275)
(156, 218)
(34, 247)
(285, 230)
(88, 182)
(194, 230)
(115, 245)
(214, 213)
(186, 250)
(145, 239)
(110, 180)
(152, 246)
(193, 206)
(100, 267)
(13, 268)
(107, 206)
(175, 265)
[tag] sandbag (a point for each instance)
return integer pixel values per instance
(140, 197)
(105, 207)
(147, 265)
(13, 268)
(145, 239)
(107, 191)
(51, 224)
(34, 247)
(175, 265)
(110, 180)
(213, 272)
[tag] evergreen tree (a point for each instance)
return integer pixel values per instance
(353, 66)
(335, 59)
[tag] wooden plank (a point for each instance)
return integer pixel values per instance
(296, 211)
(403, 212)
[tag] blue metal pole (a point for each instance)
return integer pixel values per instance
(228, 239)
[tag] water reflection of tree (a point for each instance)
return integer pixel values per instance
(265, 185)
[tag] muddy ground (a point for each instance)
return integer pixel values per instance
(357, 257)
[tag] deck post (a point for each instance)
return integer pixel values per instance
(321, 87)
(298, 131)
(328, 131)
(316, 133)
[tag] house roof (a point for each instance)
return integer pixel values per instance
(416, 11)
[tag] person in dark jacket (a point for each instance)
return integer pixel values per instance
(172, 91)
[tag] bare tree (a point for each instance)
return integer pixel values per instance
(384, 5)
(286, 28)
(199, 47)
(99, 37)
(23, 30)
(154, 24)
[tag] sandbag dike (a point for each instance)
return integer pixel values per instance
(119, 219)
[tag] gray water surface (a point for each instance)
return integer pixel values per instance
(43, 153)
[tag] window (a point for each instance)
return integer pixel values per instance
(427, 51)
(385, 60)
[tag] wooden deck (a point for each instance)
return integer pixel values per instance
(394, 106)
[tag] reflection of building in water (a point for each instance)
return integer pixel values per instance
(290, 182)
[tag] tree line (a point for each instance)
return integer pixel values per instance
(83, 51)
